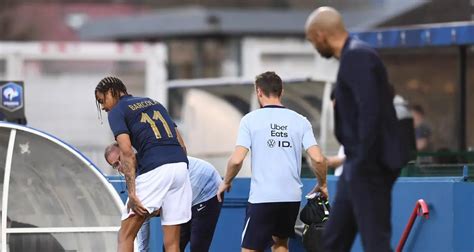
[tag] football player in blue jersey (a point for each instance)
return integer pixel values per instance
(161, 181)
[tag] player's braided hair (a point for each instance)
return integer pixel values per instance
(114, 84)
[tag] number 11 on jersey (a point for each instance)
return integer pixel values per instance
(152, 122)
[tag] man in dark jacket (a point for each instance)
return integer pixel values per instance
(366, 125)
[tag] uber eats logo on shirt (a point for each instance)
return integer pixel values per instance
(278, 132)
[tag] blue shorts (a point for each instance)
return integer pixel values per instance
(264, 220)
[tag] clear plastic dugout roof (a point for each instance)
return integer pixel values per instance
(53, 198)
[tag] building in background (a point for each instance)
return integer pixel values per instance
(55, 20)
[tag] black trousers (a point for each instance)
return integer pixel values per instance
(362, 204)
(200, 229)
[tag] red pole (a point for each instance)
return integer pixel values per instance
(420, 204)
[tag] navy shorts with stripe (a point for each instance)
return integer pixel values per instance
(264, 220)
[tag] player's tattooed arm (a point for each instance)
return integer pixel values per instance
(129, 164)
(128, 168)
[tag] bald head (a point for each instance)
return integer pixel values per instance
(111, 148)
(326, 31)
(325, 19)
(112, 155)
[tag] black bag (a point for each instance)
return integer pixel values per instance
(313, 237)
(314, 214)
(316, 211)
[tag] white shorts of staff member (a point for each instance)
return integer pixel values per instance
(166, 187)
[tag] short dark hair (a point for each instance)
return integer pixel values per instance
(418, 108)
(270, 84)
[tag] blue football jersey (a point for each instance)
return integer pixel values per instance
(151, 129)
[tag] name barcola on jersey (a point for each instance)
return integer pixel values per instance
(142, 104)
(278, 131)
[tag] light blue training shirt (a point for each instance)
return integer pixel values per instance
(205, 180)
(276, 137)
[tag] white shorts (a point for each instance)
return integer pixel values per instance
(166, 187)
